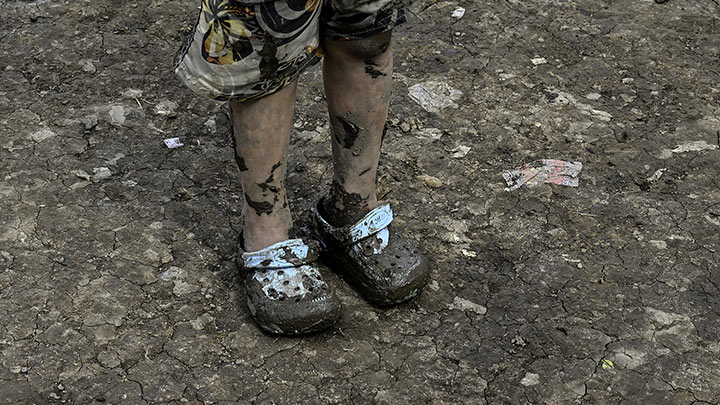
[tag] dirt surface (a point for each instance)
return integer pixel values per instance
(117, 273)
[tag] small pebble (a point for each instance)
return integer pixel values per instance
(167, 108)
(87, 66)
(117, 115)
(430, 181)
(530, 379)
(42, 135)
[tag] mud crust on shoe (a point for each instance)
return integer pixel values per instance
(286, 293)
(373, 257)
(316, 327)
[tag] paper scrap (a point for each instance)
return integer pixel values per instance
(173, 143)
(460, 151)
(458, 13)
(544, 171)
(656, 176)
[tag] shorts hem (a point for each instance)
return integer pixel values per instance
(197, 86)
(384, 25)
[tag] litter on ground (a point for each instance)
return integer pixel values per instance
(695, 146)
(434, 96)
(544, 171)
(173, 143)
(460, 151)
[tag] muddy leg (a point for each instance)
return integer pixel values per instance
(262, 131)
(357, 75)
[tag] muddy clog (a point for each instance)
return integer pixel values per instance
(373, 257)
(286, 293)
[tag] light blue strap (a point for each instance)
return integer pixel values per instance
(289, 253)
(372, 223)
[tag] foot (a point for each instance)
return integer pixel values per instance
(286, 293)
(373, 257)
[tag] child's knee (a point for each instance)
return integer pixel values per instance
(369, 48)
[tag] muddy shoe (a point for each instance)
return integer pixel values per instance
(285, 290)
(373, 257)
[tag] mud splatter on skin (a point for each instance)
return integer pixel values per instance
(267, 184)
(265, 187)
(370, 69)
(341, 208)
(351, 131)
(261, 207)
(271, 178)
(268, 62)
(238, 158)
(240, 162)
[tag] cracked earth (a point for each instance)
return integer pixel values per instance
(117, 274)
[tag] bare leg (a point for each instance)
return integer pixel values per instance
(357, 75)
(262, 132)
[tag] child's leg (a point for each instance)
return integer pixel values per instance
(373, 255)
(357, 75)
(255, 52)
(262, 132)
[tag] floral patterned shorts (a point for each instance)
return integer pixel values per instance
(244, 49)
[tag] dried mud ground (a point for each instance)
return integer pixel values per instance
(117, 274)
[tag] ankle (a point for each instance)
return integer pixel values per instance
(341, 213)
(260, 242)
(260, 232)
